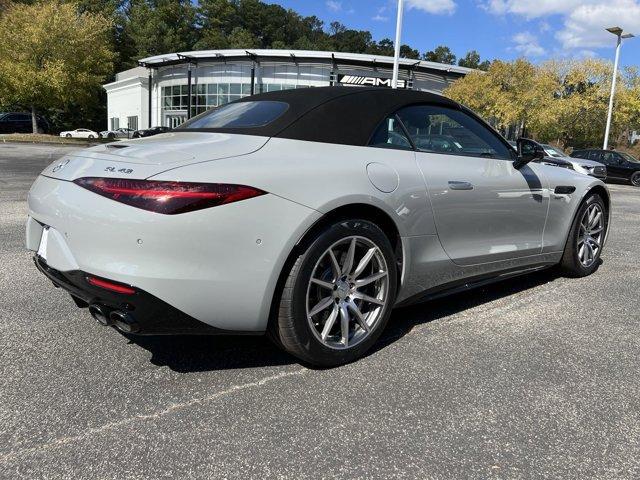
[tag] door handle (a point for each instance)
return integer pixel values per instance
(456, 185)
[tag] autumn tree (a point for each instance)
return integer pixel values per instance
(561, 101)
(51, 55)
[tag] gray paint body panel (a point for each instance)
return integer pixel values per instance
(210, 264)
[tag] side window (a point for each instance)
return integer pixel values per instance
(390, 134)
(609, 158)
(446, 130)
(595, 155)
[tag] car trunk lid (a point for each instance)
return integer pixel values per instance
(142, 158)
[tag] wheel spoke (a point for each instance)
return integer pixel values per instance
(321, 305)
(370, 279)
(334, 263)
(596, 220)
(364, 262)
(590, 253)
(581, 253)
(367, 298)
(331, 320)
(322, 283)
(344, 325)
(348, 262)
(596, 231)
(359, 317)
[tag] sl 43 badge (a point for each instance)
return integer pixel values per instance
(118, 170)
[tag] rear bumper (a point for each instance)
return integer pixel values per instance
(219, 265)
(152, 315)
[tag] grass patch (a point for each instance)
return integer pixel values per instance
(43, 138)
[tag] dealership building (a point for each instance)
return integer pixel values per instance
(157, 92)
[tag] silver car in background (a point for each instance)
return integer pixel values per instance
(307, 215)
(580, 165)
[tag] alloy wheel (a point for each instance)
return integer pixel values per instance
(347, 292)
(590, 235)
(635, 179)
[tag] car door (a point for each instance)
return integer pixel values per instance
(612, 160)
(485, 210)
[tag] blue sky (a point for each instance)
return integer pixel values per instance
(504, 29)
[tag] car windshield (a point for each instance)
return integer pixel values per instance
(629, 158)
(239, 115)
(553, 151)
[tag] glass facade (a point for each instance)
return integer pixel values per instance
(208, 95)
(203, 96)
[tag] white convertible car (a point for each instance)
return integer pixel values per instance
(80, 133)
(306, 214)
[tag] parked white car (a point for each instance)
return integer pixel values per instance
(80, 133)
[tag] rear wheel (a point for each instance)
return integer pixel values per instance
(635, 179)
(90, 136)
(582, 252)
(68, 135)
(338, 295)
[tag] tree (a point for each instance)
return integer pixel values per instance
(243, 39)
(52, 56)
(160, 26)
(440, 54)
(407, 52)
(472, 60)
(561, 101)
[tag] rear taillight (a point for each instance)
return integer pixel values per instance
(168, 198)
(111, 286)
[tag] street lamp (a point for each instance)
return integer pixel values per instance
(621, 35)
(396, 57)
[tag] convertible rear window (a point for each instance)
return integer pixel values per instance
(238, 115)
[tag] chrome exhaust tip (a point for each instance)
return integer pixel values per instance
(100, 314)
(123, 322)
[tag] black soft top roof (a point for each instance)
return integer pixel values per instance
(342, 115)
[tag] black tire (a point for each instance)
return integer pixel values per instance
(111, 135)
(291, 330)
(635, 179)
(90, 136)
(570, 265)
(68, 135)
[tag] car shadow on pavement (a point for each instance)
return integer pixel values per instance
(199, 353)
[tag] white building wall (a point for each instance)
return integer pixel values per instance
(127, 98)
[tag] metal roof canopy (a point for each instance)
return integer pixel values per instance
(298, 56)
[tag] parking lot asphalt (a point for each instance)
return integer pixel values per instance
(537, 377)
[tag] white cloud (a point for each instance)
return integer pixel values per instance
(583, 22)
(527, 45)
(334, 5)
(585, 26)
(381, 15)
(433, 6)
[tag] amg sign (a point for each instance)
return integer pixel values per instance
(369, 81)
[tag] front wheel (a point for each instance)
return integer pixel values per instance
(90, 136)
(338, 295)
(68, 135)
(635, 179)
(584, 246)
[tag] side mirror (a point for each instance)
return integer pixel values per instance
(528, 151)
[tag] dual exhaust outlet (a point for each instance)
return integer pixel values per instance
(106, 317)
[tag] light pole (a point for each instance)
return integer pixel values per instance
(396, 57)
(620, 34)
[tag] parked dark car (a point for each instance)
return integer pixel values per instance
(149, 132)
(20, 122)
(620, 165)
